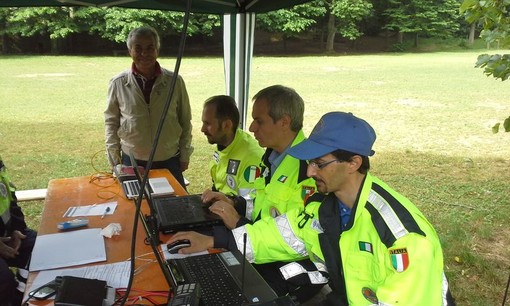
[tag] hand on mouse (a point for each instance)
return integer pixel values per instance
(198, 242)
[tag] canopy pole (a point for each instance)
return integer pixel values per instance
(238, 32)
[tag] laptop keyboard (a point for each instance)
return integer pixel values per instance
(133, 187)
(218, 287)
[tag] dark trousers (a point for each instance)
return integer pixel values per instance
(8, 293)
(172, 164)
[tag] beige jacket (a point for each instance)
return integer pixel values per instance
(131, 124)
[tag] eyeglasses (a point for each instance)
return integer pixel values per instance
(320, 166)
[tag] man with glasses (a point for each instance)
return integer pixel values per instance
(379, 249)
(280, 186)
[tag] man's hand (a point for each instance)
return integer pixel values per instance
(227, 212)
(209, 196)
(198, 242)
(16, 238)
(5, 250)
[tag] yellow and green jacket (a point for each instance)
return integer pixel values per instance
(276, 193)
(235, 168)
(11, 216)
(388, 253)
(285, 189)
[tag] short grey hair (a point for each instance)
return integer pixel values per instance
(142, 31)
(283, 101)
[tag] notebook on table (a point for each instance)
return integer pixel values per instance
(225, 279)
(183, 213)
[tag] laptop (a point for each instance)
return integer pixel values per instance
(224, 279)
(158, 187)
(181, 213)
(177, 213)
(130, 177)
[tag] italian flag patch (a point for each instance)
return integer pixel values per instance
(365, 246)
(282, 179)
(399, 259)
(251, 173)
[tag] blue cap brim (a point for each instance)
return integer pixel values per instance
(309, 149)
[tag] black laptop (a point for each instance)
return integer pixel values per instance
(178, 213)
(224, 278)
(181, 213)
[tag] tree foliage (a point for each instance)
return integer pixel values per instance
(348, 14)
(495, 19)
(436, 18)
(291, 22)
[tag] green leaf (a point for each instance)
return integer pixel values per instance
(495, 128)
(506, 124)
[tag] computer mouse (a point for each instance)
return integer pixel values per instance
(175, 246)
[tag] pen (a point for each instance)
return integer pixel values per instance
(105, 211)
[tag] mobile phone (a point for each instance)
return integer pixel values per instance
(47, 290)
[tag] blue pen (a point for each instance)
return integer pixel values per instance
(105, 211)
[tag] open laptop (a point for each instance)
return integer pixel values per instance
(158, 187)
(177, 213)
(224, 279)
(130, 177)
(180, 213)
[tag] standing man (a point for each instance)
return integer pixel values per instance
(379, 249)
(16, 243)
(283, 185)
(234, 167)
(136, 99)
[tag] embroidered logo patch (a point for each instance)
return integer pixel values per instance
(233, 165)
(370, 295)
(251, 173)
(365, 246)
(231, 181)
(306, 191)
(399, 259)
(282, 179)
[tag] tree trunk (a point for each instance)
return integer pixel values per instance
(472, 29)
(416, 40)
(330, 41)
(400, 37)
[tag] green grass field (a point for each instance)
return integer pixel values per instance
(432, 112)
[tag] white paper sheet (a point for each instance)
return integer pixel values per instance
(116, 275)
(91, 210)
(68, 249)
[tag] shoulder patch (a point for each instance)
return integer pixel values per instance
(233, 166)
(251, 173)
(399, 259)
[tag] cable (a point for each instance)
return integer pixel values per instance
(506, 290)
(138, 201)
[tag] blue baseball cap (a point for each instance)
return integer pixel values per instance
(336, 131)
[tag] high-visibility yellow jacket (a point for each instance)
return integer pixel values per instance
(11, 216)
(285, 189)
(388, 254)
(235, 168)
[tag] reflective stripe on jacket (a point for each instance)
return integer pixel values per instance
(390, 254)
